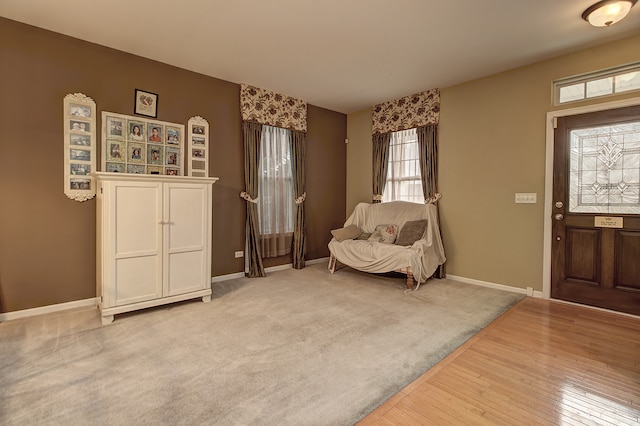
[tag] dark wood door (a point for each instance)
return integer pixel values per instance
(596, 210)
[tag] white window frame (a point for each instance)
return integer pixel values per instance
(389, 194)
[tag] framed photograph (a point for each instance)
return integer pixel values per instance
(198, 150)
(80, 140)
(155, 170)
(115, 167)
(137, 130)
(171, 156)
(132, 144)
(154, 154)
(146, 103)
(115, 151)
(80, 184)
(174, 136)
(80, 126)
(155, 132)
(79, 155)
(135, 169)
(80, 169)
(136, 153)
(115, 127)
(79, 110)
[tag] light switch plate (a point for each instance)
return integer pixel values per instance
(526, 197)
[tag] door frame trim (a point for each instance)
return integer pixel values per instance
(548, 176)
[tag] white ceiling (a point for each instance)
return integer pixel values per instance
(344, 55)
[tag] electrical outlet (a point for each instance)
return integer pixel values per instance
(239, 254)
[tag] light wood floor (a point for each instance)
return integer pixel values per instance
(542, 362)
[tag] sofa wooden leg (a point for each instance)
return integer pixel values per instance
(410, 281)
(332, 264)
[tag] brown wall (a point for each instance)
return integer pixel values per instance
(47, 241)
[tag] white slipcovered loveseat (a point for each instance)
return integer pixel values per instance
(354, 247)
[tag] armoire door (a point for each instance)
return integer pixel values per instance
(186, 237)
(135, 241)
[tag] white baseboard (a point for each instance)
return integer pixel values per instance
(319, 260)
(47, 309)
(226, 277)
(537, 294)
(278, 268)
(267, 270)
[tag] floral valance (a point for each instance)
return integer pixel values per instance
(266, 107)
(409, 112)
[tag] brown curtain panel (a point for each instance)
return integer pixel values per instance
(298, 150)
(381, 142)
(428, 145)
(252, 133)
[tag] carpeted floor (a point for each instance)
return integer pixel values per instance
(296, 348)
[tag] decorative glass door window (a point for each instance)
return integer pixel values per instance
(604, 175)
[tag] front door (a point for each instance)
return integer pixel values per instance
(596, 210)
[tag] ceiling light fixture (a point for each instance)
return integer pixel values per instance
(607, 12)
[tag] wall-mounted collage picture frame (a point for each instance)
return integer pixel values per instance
(79, 116)
(198, 154)
(137, 145)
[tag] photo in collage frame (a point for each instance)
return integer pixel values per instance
(136, 145)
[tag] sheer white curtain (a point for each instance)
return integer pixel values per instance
(404, 181)
(276, 200)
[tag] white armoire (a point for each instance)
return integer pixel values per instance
(153, 241)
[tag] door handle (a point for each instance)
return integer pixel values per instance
(558, 216)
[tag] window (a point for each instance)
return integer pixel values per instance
(602, 83)
(604, 176)
(276, 201)
(404, 181)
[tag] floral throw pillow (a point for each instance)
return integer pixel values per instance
(384, 234)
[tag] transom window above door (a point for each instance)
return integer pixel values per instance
(597, 84)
